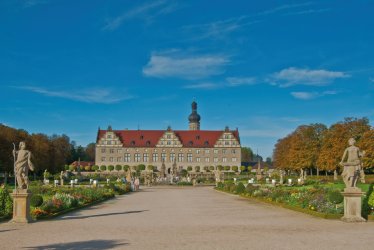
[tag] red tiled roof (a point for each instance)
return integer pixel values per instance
(149, 138)
(82, 163)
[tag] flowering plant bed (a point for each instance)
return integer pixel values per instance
(314, 200)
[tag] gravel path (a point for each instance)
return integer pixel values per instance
(186, 218)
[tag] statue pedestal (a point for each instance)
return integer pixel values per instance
(352, 205)
(21, 206)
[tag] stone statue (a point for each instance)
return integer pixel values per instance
(353, 165)
(22, 166)
(163, 169)
(218, 175)
(62, 178)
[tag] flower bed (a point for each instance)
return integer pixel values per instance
(48, 201)
(315, 200)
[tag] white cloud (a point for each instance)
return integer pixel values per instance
(147, 12)
(31, 3)
(295, 76)
(311, 95)
(185, 66)
(93, 95)
(304, 12)
(284, 7)
(206, 85)
(237, 81)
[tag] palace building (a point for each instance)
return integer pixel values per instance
(193, 147)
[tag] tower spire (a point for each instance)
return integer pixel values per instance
(194, 117)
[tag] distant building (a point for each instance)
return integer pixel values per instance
(193, 147)
(82, 164)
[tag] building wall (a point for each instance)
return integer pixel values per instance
(116, 154)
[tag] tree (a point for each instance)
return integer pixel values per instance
(366, 144)
(90, 152)
(102, 167)
(118, 167)
(110, 168)
(336, 140)
(247, 154)
(235, 168)
(141, 167)
(189, 168)
(242, 168)
(150, 167)
(126, 167)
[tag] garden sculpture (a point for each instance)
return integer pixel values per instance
(353, 165)
(22, 166)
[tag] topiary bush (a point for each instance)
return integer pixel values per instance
(6, 203)
(36, 200)
(232, 188)
(235, 168)
(335, 197)
(368, 202)
(102, 167)
(227, 168)
(240, 188)
(110, 167)
(250, 189)
(189, 168)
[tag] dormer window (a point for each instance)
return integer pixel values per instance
(148, 143)
(132, 143)
(141, 137)
(206, 143)
(198, 137)
(190, 143)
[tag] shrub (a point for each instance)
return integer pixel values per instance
(141, 167)
(220, 185)
(211, 168)
(371, 200)
(189, 168)
(335, 197)
(110, 167)
(197, 168)
(87, 168)
(368, 202)
(250, 189)
(6, 203)
(66, 167)
(242, 168)
(95, 167)
(71, 168)
(118, 167)
(220, 167)
(235, 168)
(240, 188)
(227, 168)
(150, 167)
(232, 188)
(36, 200)
(126, 167)
(184, 172)
(102, 167)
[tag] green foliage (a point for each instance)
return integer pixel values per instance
(250, 189)
(227, 168)
(66, 167)
(235, 168)
(249, 169)
(71, 168)
(189, 168)
(36, 200)
(110, 167)
(197, 168)
(6, 203)
(184, 183)
(242, 168)
(211, 168)
(150, 167)
(126, 167)
(371, 200)
(335, 197)
(141, 167)
(184, 172)
(95, 167)
(247, 154)
(220, 167)
(368, 202)
(240, 188)
(102, 167)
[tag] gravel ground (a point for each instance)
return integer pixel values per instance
(186, 218)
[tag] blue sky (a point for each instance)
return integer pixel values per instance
(262, 66)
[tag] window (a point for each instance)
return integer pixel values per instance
(103, 150)
(197, 151)
(132, 143)
(206, 143)
(207, 159)
(103, 159)
(109, 136)
(111, 159)
(119, 159)
(207, 151)
(227, 136)
(137, 157)
(111, 151)
(227, 143)
(148, 143)
(172, 157)
(215, 159)
(109, 142)
(233, 151)
(141, 137)
(163, 156)
(197, 159)
(180, 157)
(190, 143)
(224, 159)
(127, 157)
(216, 151)
(168, 136)
(168, 143)
(189, 157)
(234, 159)
(155, 157)
(198, 137)
(145, 157)
(119, 151)
(224, 151)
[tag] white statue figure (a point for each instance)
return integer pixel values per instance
(22, 166)
(353, 165)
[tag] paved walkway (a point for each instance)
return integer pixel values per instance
(186, 218)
